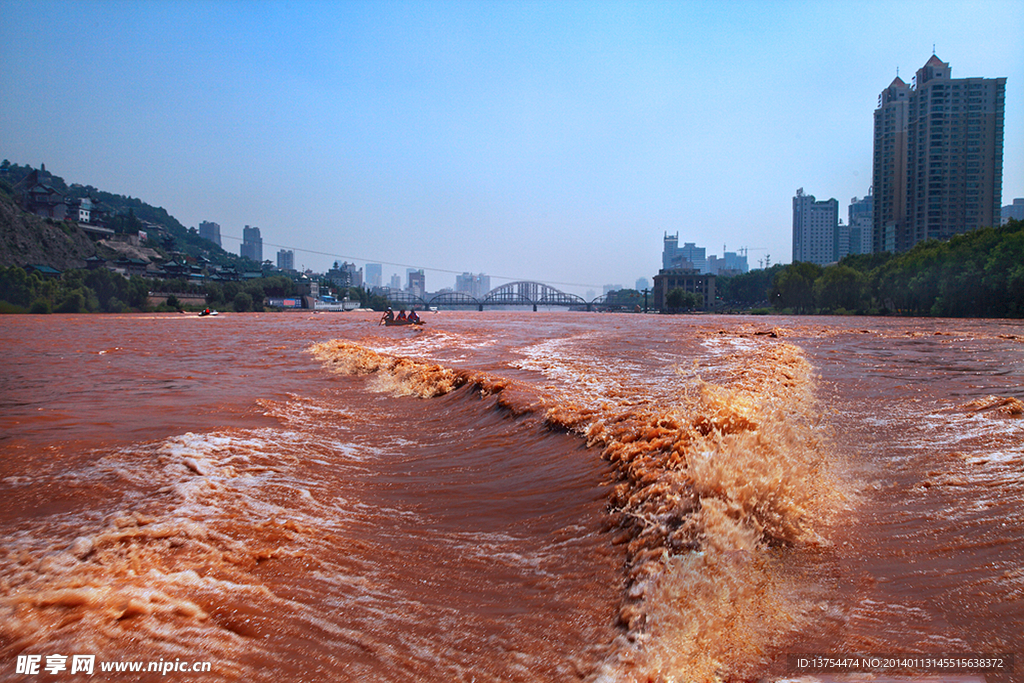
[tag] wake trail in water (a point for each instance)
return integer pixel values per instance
(714, 481)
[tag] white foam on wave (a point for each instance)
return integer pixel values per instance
(502, 548)
(583, 375)
(988, 443)
(305, 411)
(724, 344)
(430, 341)
(194, 514)
(997, 458)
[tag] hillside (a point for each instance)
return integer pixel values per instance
(28, 239)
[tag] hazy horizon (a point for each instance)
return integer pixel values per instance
(525, 140)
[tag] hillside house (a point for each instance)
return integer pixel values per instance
(37, 195)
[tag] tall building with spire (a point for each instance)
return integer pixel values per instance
(938, 157)
(889, 165)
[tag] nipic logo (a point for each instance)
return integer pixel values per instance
(54, 664)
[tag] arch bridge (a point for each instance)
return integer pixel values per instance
(521, 293)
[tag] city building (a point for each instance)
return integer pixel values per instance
(1014, 211)
(81, 209)
(842, 240)
(345, 274)
(309, 289)
(669, 251)
(396, 283)
(286, 260)
(937, 167)
(210, 231)
(687, 279)
(476, 286)
(730, 264)
(417, 282)
(688, 256)
(860, 219)
(815, 229)
(889, 165)
(642, 284)
(374, 275)
(252, 244)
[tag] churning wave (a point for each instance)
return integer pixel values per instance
(711, 488)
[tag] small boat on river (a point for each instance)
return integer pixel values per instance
(389, 319)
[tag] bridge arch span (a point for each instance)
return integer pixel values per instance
(529, 293)
(513, 294)
(519, 293)
(455, 299)
(407, 299)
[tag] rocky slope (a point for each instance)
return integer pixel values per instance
(27, 239)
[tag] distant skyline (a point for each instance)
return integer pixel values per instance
(549, 141)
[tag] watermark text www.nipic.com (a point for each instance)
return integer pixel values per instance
(928, 663)
(31, 665)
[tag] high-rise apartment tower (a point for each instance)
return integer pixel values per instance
(938, 157)
(815, 229)
(861, 220)
(374, 272)
(252, 244)
(210, 231)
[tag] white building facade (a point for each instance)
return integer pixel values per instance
(815, 229)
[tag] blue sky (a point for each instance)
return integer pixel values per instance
(555, 141)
